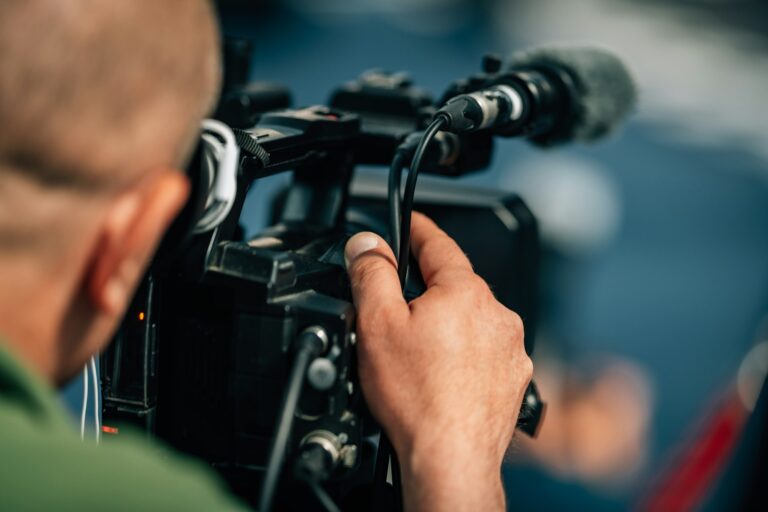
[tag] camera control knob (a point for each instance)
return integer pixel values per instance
(321, 374)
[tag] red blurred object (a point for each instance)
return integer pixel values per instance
(685, 483)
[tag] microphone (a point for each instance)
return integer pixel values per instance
(550, 96)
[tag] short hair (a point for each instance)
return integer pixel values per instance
(93, 92)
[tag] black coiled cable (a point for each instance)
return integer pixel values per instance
(400, 239)
(404, 249)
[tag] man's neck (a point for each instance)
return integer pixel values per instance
(44, 236)
(31, 305)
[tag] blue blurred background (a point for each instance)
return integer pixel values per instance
(657, 239)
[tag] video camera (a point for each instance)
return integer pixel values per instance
(242, 351)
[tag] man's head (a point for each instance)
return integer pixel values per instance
(100, 105)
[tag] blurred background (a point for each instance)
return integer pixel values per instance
(655, 282)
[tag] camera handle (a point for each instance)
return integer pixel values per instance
(317, 197)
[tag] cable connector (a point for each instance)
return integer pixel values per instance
(494, 107)
(442, 150)
(314, 339)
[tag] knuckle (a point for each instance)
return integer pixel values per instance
(525, 368)
(477, 284)
(528, 368)
(517, 325)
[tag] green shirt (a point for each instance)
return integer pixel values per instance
(45, 466)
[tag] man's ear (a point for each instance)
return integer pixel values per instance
(133, 226)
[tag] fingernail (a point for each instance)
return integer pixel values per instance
(358, 244)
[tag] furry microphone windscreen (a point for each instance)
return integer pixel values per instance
(603, 93)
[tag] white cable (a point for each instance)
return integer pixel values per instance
(216, 206)
(210, 167)
(223, 189)
(225, 185)
(96, 399)
(85, 402)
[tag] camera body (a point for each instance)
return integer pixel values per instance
(203, 358)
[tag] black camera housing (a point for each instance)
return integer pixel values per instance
(204, 354)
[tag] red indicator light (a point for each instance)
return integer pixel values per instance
(109, 430)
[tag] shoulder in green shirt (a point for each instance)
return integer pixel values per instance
(45, 466)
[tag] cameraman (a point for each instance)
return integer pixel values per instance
(100, 105)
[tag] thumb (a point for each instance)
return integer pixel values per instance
(373, 274)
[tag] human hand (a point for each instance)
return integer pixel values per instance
(444, 375)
